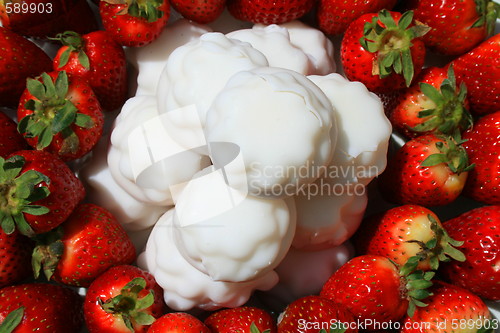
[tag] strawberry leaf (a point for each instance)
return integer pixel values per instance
(83, 59)
(143, 318)
(84, 120)
(405, 20)
(36, 88)
(64, 57)
(12, 320)
(8, 224)
(64, 117)
(22, 226)
(16, 193)
(61, 85)
(45, 137)
(386, 18)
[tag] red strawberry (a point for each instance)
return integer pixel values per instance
(373, 289)
(334, 16)
(40, 307)
(44, 18)
(10, 139)
(450, 309)
(123, 299)
(134, 22)
(60, 115)
(479, 69)
(456, 25)
(433, 105)
(38, 192)
(100, 60)
(479, 230)
(428, 170)
(178, 322)
(15, 257)
(244, 319)
(269, 12)
(383, 50)
(482, 145)
(86, 245)
(408, 234)
(19, 59)
(201, 11)
(316, 314)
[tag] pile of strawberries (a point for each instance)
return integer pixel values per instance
(411, 269)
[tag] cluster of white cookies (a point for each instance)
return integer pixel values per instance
(240, 155)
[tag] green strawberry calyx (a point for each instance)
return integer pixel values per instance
(52, 113)
(489, 12)
(75, 43)
(12, 320)
(440, 248)
(18, 190)
(450, 112)
(392, 42)
(417, 284)
(47, 252)
(145, 9)
(451, 153)
(129, 305)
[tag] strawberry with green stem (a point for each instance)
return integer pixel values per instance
(134, 23)
(40, 307)
(60, 115)
(433, 105)
(375, 289)
(456, 26)
(98, 59)
(429, 170)
(411, 236)
(123, 299)
(38, 192)
(479, 232)
(88, 243)
(383, 50)
(450, 309)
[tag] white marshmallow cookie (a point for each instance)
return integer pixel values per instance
(150, 60)
(363, 130)
(293, 45)
(227, 234)
(186, 287)
(283, 124)
(274, 42)
(144, 159)
(196, 72)
(315, 44)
